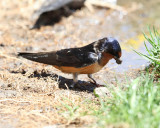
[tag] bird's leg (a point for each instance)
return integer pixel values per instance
(75, 79)
(90, 76)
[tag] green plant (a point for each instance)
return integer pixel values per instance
(154, 52)
(136, 105)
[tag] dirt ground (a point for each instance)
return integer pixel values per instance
(35, 95)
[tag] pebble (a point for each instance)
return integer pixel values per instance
(101, 92)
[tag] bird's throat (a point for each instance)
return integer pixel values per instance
(105, 58)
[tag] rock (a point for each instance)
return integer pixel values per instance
(3, 84)
(101, 92)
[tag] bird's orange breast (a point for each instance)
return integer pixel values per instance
(82, 70)
(93, 68)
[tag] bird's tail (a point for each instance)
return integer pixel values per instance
(44, 57)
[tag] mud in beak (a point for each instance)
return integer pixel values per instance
(118, 61)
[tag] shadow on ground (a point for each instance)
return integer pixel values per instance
(63, 83)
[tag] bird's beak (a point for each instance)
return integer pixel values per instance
(118, 61)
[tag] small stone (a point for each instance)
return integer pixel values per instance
(3, 84)
(101, 92)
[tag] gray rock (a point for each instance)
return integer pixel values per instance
(101, 92)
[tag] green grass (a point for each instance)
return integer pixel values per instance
(138, 105)
(154, 51)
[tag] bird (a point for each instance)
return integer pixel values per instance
(88, 59)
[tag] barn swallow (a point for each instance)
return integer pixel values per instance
(84, 60)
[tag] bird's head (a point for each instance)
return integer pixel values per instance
(110, 45)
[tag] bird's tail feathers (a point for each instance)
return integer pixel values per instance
(44, 57)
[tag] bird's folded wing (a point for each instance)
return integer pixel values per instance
(76, 58)
(67, 57)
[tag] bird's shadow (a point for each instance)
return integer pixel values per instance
(63, 82)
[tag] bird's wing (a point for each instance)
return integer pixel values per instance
(67, 57)
(76, 57)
